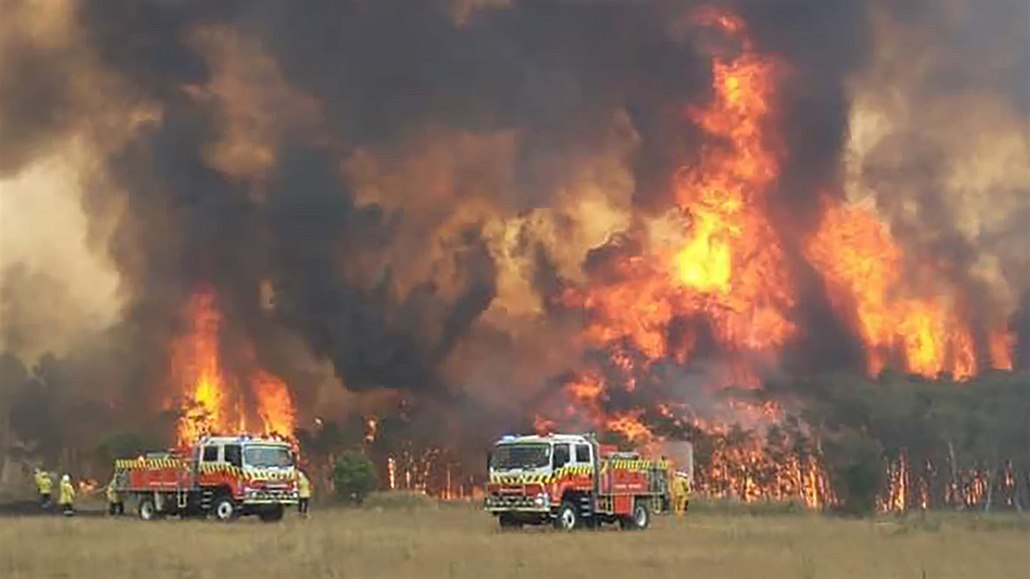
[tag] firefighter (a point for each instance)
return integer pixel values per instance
(303, 493)
(115, 502)
(680, 492)
(44, 486)
(67, 497)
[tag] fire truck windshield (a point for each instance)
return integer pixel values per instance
(264, 456)
(509, 456)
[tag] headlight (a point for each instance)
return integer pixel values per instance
(540, 500)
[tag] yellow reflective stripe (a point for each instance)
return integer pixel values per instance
(543, 478)
(208, 468)
(638, 464)
(520, 478)
(149, 463)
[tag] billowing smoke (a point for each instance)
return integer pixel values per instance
(423, 196)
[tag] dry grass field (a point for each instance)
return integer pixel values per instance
(460, 541)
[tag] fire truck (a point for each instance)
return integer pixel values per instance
(572, 481)
(223, 476)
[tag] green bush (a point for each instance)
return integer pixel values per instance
(857, 471)
(354, 477)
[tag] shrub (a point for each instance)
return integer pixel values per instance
(857, 471)
(354, 476)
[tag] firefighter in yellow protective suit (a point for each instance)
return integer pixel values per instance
(67, 498)
(680, 492)
(115, 502)
(303, 493)
(44, 486)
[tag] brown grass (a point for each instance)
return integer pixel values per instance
(410, 540)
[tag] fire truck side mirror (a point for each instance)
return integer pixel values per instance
(489, 460)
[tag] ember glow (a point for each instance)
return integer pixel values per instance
(742, 468)
(911, 486)
(214, 401)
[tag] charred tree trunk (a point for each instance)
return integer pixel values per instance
(956, 484)
(990, 490)
(1018, 504)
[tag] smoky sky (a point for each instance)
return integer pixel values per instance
(384, 73)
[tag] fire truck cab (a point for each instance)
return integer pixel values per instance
(221, 475)
(572, 481)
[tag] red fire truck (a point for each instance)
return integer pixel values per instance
(572, 481)
(223, 476)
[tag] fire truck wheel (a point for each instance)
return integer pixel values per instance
(147, 509)
(568, 517)
(224, 508)
(640, 518)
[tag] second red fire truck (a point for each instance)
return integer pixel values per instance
(221, 476)
(572, 481)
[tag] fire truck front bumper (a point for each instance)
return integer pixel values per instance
(269, 497)
(539, 503)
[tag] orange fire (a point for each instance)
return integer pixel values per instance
(543, 425)
(725, 275)
(630, 426)
(727, 270)
(214, 402)
(862, 268)
(730, 269)
(740, 468)
(274, 404)
(1001, 343)
(371, 428)
(732, 265)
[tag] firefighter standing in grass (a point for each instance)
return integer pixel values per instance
(680, 492)
(115, 502)
(303, 493)
(44, 486)
(67, 497)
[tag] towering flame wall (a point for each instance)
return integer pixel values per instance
(730, 276)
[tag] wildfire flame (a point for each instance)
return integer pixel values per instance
(371, 428)
(741, 469)
(723, 273)
(732, 265)
(87, 487)
(274, 404)
(862, 268)
(1001, 343)
(730, 268)
(214, 402)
